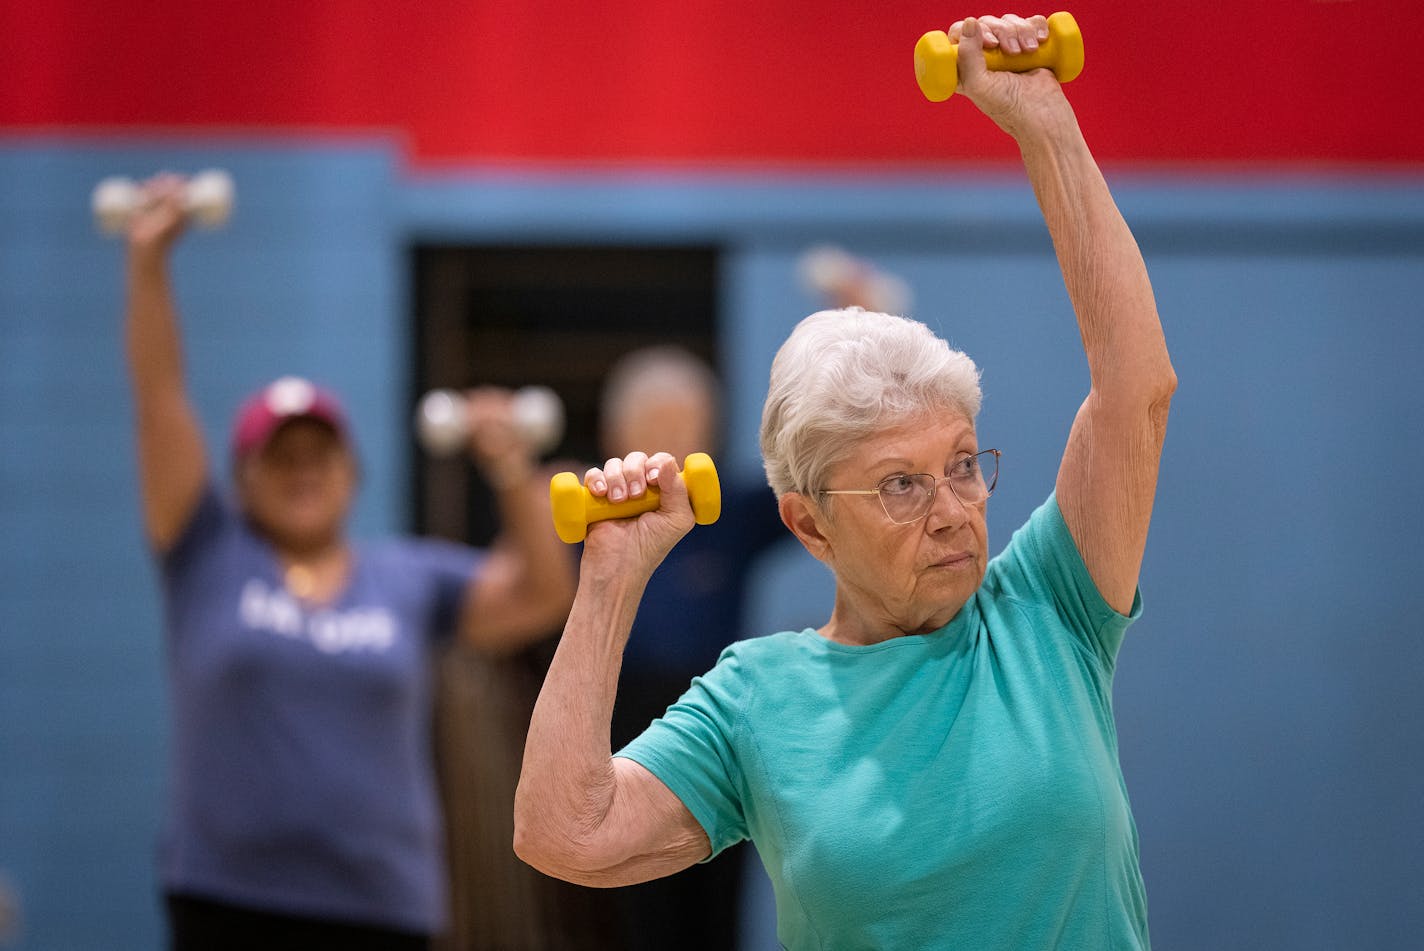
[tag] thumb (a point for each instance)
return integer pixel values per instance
(971, 51)
(671, 487)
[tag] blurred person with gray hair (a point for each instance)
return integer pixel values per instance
(692, 608)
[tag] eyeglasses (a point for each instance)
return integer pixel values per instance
(906, 498)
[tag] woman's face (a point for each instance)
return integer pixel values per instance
(298, 487)
(904, 578)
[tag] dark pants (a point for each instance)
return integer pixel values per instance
(198, 924)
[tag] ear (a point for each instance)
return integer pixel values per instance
(808, 523)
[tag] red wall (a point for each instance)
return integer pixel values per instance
(675, 81)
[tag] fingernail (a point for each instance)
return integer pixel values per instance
(616, 495)
(635, 488)
(652, 475)
(600, 486)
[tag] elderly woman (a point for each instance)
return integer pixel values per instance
(936, 766)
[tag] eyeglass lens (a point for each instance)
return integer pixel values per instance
(908, 497)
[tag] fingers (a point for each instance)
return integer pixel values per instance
(630, 476)
(624, 478)
(159, 216)
(1011, 33)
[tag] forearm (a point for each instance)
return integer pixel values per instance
(544, 569)
(567, 784)
(1103, 270)
(152, 334)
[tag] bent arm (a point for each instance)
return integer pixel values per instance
(526, 585)
(579, 813)
(171, 456)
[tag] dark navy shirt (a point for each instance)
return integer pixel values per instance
(302, 779)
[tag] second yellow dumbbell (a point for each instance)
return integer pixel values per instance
(575, 507)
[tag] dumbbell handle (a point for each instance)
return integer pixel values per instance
(937, 59)
(575, 507)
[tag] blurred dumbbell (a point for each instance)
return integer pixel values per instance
(845, 280)
(443, 425)
(207, 199)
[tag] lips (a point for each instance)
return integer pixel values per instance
(958, 559)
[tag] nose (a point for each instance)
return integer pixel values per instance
(946, 510)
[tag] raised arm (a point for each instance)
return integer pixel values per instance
(527, 585)
(579, 813)
(171, 457)
(1108, 476)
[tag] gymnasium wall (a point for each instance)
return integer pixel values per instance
(1271, 724)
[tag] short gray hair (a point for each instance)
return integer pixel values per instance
(844, 375)
(642, 374)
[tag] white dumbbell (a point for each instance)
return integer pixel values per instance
(207, 198)
(443, 425)
(843, 278)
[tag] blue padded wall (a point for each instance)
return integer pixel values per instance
(1271, 725)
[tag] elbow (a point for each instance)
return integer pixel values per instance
(1164, 386)
(542, 845)
(533, 844)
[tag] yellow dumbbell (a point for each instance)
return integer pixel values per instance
(937, 59)
(575, 507)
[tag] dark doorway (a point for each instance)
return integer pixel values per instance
(507, 316)
(558, 316)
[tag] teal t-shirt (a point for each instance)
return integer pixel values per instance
(953, 790)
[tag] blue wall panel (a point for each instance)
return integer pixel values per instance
(1271, 725)
(307, 279)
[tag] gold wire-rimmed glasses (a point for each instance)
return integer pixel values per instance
(907, 497)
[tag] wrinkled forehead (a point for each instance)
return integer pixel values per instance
(921, 439)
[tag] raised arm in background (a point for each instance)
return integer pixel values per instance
(172, 459)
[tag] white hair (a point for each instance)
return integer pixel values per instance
(844, 375)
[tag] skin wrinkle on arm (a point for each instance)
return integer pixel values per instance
(580, 814)
(1109, 471)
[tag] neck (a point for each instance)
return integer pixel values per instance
(861, 628)
(315, 574)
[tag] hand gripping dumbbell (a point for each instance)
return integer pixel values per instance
(207, 200)
(937, 59)
(442, 421)
(575, 507)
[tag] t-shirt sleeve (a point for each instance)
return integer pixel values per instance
(1043, 562)
(692, 749)
(211, 517)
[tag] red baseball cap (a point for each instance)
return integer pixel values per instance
(279, 402)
